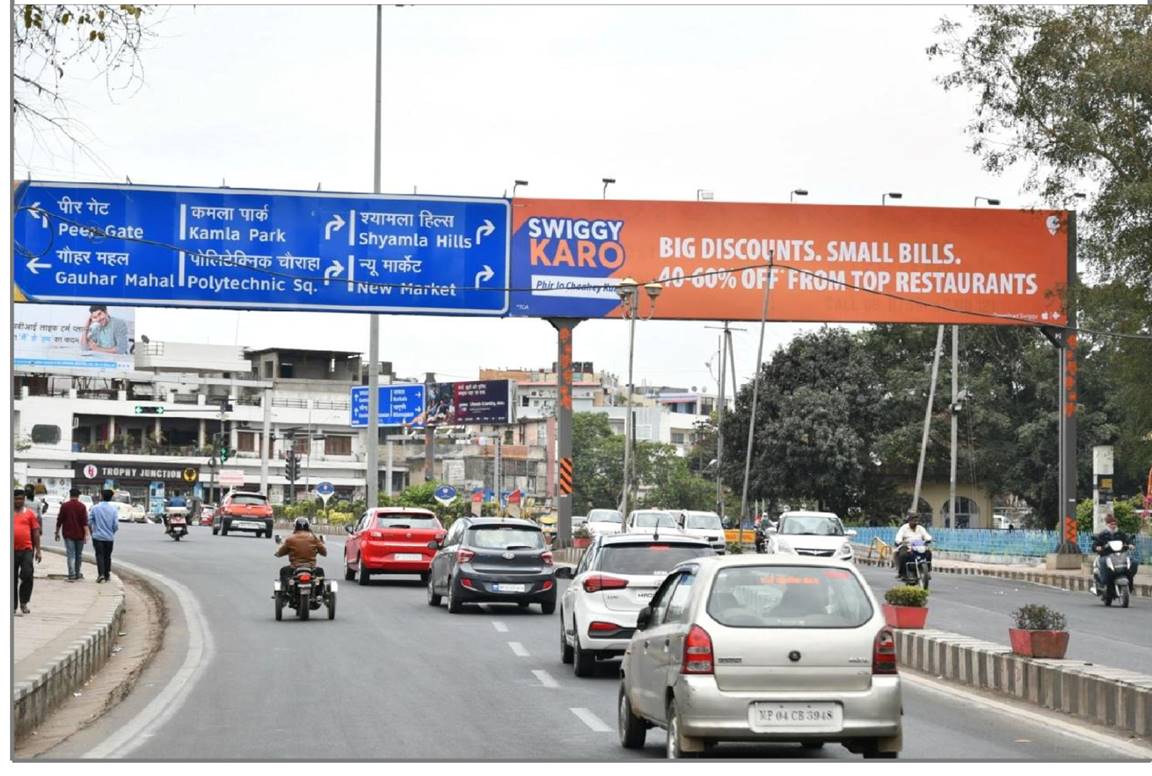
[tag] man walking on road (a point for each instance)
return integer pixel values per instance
(104, 521)
(26, 547)
(73, 523)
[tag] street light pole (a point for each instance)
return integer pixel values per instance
(755, 392)
(627, 292)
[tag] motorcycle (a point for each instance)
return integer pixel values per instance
(304, 592)
(177, 527)
(918, 569)
(1116, 583)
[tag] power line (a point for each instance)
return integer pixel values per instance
(98, 232)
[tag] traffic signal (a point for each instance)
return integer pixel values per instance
(225, 453)
(291, 466)
(145, 410)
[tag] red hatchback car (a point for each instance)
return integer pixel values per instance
(391, 540)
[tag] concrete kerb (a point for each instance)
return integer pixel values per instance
(1072, 582)
(33, 700)
(1113, 697)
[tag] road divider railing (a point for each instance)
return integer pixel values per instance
(1072, 582)
(1113, 697)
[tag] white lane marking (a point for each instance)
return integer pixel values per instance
(499, 626)
(545, 678)
(164, 706)
(1069, 725)
(591, 720)
(518, 649)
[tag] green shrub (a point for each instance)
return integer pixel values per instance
(1038, 617)
(906, 595)
(1127, 515)
(735, 548)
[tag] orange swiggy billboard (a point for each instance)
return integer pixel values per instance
(839, 263)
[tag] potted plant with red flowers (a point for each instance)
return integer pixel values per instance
(581, 538)
(1039, 632)
(904, 606)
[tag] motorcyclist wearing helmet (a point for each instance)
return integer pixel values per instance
(1110, 533)
(301, 547)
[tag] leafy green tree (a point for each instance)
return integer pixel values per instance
(673, 485)
(597, 463)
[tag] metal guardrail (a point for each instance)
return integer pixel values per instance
(984, 541)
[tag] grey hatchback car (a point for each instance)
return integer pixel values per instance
(762, 648)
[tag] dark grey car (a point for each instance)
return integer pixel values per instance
(492, 560)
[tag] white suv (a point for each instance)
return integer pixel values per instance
(614, 581)
(705, 525)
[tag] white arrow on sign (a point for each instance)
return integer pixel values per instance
(336, 223)
(333, 271)
(35, 210)
(484, 275)
(484, 230)
(35, 265)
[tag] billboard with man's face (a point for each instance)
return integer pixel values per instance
(97, 337)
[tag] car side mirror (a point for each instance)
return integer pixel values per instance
(850, 533)
(644, 618)
(565, 572)
(349, 529)
(433, 545)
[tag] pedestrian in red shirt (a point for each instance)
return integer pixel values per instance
(73, 523)
(25, 546)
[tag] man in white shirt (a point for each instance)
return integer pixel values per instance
(909, 532)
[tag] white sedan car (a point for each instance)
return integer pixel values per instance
(818, 534)
(614, 581)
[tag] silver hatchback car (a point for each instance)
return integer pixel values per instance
(762, 648)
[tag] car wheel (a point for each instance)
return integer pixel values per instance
(349, 572)
(454, 606)
(363, 577)
(433, 597)
(523, 604)
(279, 607)
(215, 529)
(583, 662)
(812, 744)
(631, 728)
(871, 751)
(674, 747)
(566, 650)
(224, 526)
(547, 607)
(425, 576)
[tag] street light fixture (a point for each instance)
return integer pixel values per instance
(990, 200)
(628, 291)
(890, 195)
(797, 193)
(606, 181)
(516, 185)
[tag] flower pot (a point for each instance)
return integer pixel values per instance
(909, 617)
(1039, 643)
(581, 542)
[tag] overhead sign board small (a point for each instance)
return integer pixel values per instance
(400, 405)
(230, 477)
(477, 401)
(85, 470)
(260, 249)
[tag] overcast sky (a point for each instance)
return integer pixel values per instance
(749, 103)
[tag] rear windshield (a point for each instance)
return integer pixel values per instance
(647, 558)
(788, 597)
(654, 519)
(499, 537)
(697, 520)
(811, 525)
(249, 499)
(605, 516)
(406, 521)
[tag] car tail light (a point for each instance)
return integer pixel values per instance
(465, 582)
(546, 557)
(463, 556)
(598, 626)
(697, 652)
(547, 585)
(375, 535)
(884, 653)
(598, 582)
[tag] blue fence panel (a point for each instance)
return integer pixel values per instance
(984, 541)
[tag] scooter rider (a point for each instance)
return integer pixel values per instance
(909, 532)
(301, 547)
(1111, 533)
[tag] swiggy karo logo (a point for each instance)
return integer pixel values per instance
(576, 243)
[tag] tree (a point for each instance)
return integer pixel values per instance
(1068, 91)
(50, 40)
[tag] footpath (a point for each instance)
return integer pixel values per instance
(64, 640)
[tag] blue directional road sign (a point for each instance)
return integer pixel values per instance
(399, 405)
(325, 489)
(268, 250)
